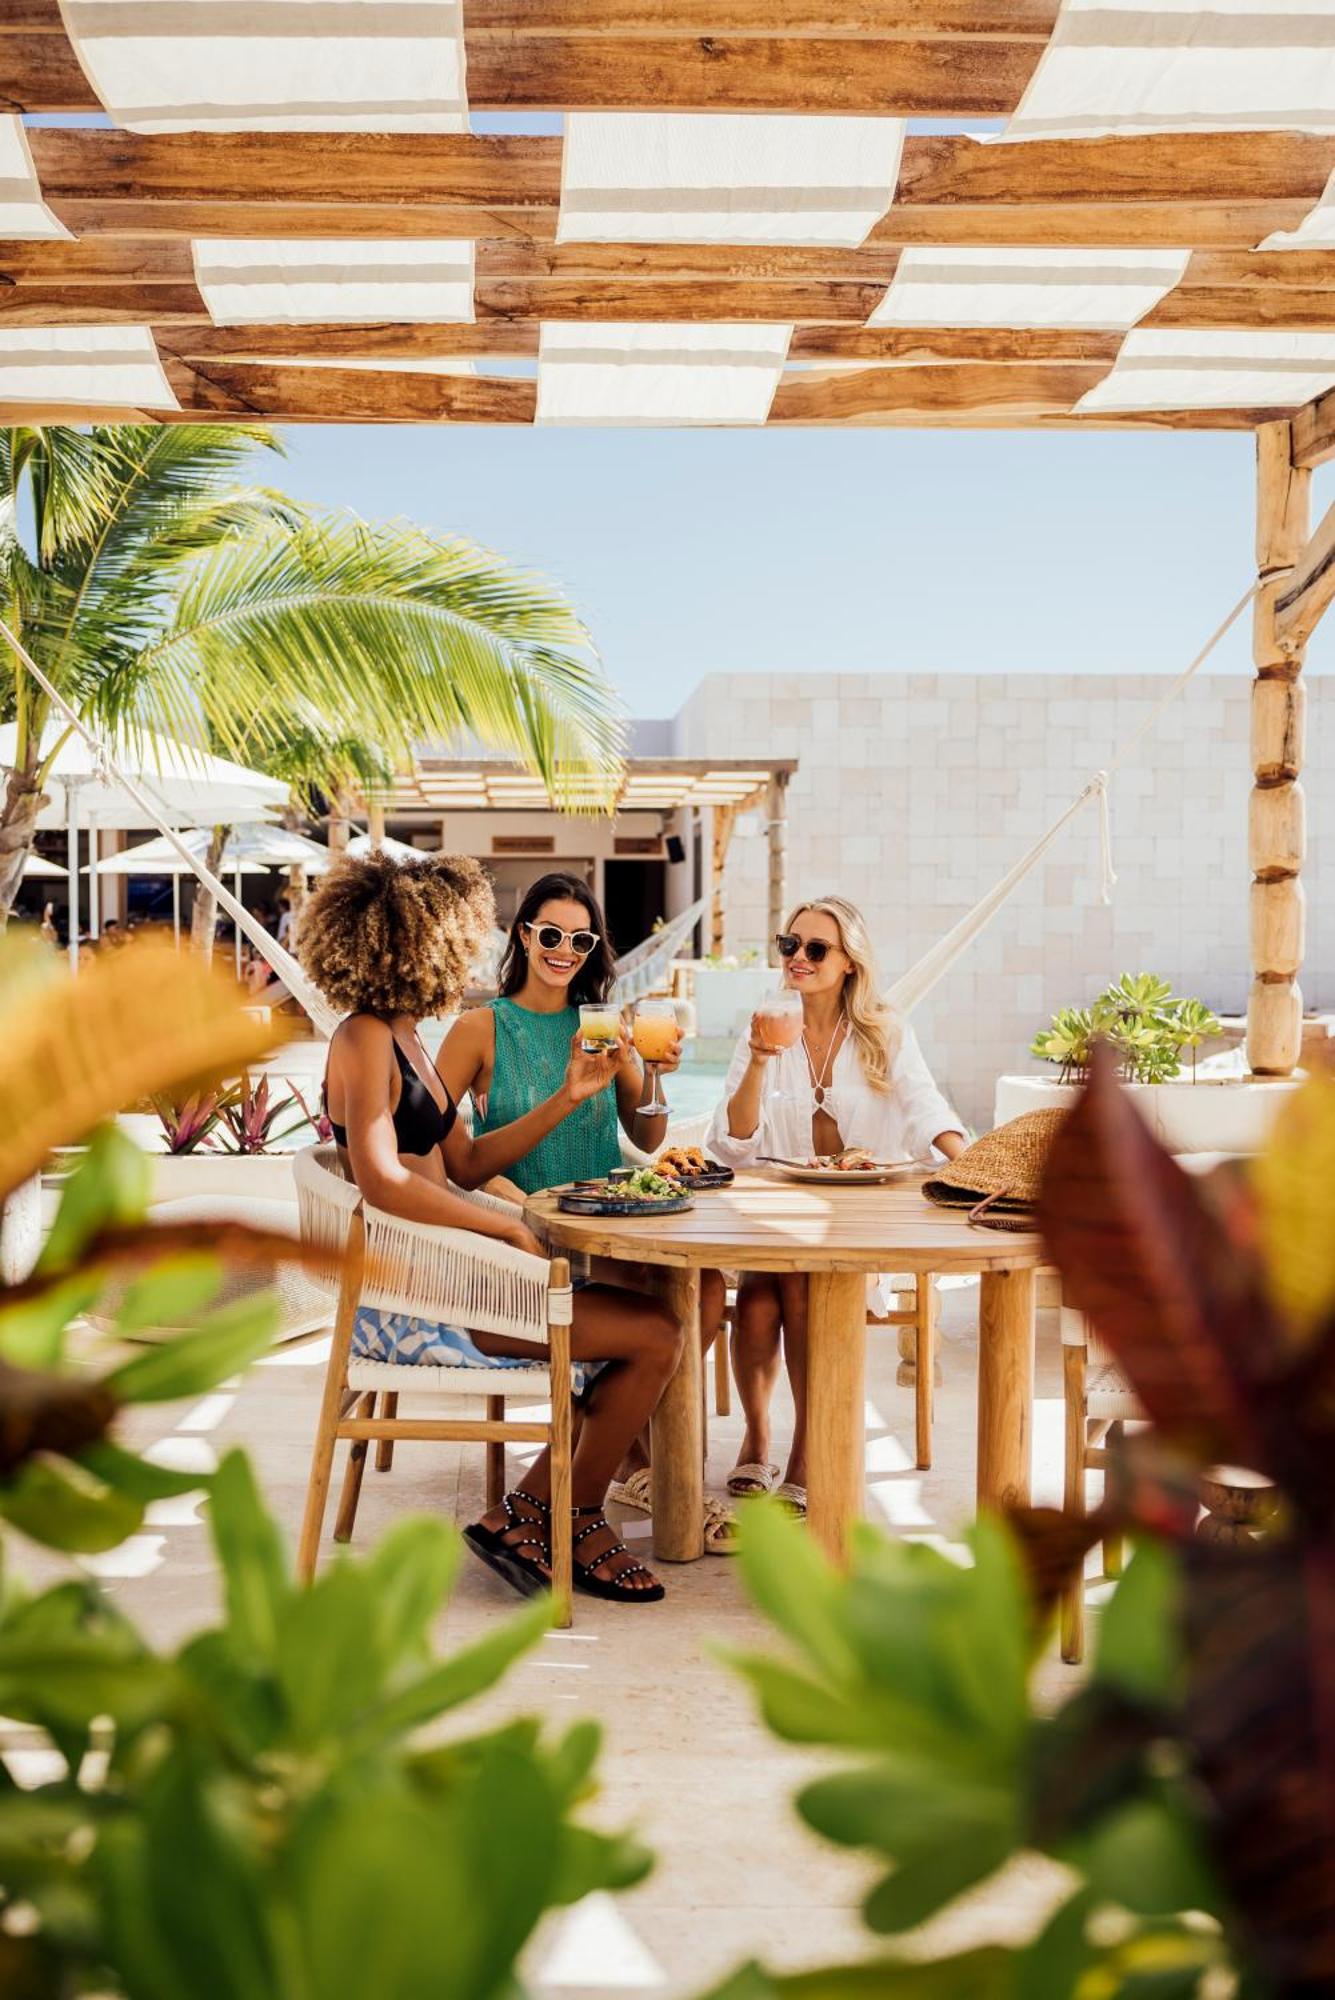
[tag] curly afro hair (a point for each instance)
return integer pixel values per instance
(388, 937)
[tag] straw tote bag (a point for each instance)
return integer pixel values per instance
(997, 1178)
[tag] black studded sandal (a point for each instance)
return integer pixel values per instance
(612, 1587)
(528, 1575)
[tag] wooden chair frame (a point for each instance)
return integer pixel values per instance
(1090, 1435)
(352, 1414)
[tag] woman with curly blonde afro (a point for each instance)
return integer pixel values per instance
(392, 943)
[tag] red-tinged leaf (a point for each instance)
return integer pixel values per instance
(1310, 1450)
(1148, 1262)
(1053, 1547)
(1260, 1716)
(48, 1413)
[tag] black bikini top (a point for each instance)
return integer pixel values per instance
(419, 1122)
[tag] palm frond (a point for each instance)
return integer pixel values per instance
(392, 636)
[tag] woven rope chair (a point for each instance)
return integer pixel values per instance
(1098, 1401)
(369, 1258)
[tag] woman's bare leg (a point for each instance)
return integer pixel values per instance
(755, 1361)
(641, 1343)
(793, 1290)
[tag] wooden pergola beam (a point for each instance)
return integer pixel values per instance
(291, 394)
(1213, 279)
(573, 59)
(1300, 602)
(1314, 432)
(1016, 390)
(1162, 176)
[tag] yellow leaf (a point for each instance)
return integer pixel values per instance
(141, 1019)
(1294, 1180)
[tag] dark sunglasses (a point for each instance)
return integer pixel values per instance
(816, 949)
(550, 936)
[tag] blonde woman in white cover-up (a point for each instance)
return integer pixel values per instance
(855, 1077)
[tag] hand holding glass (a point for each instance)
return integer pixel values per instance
(777, 1022)
(599, 1028)
(655, 1034)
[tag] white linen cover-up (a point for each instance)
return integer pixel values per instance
(900, 1125)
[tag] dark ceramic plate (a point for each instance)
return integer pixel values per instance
(604, 1201)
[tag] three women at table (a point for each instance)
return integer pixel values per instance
(392, 943)
(854, 1077)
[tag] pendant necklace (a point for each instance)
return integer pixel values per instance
(818, 1082)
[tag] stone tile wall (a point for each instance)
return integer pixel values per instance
(916, 792)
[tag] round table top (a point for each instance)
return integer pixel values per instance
(764, 1223)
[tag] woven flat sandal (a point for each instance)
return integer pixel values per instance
(526, 1574)
(744, 1481)
(637, 1492)
(720, 1522)
(611, 1587)
(794, 1498)
(720, 1528)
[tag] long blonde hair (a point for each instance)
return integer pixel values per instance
(875, 1029)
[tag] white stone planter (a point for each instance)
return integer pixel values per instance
(1214, 1115)
(727, 995)
(267, 1176)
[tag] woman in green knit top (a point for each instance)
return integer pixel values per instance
(514, 1055)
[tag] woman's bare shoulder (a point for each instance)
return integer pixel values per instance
(469, 1046)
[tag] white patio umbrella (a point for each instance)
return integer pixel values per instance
(38, 867)
(240, 857)
(362, 844)
(192, 787)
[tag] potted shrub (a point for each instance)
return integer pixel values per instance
(1156, 1037)
(226, 1140)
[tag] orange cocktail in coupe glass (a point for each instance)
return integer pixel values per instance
(654, 1034)
(779, 1020)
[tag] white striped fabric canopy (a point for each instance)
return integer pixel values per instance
(24, 216)
(1203, 369)
(1094, 288)
(254, 66)
(632, 373)
(290, 281)
(97, 367)
(1179, 66)
(686, 177)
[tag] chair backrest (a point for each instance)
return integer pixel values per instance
(325, 1204)
(453, 1275)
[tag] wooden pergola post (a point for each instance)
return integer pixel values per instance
(777, 828)
(722, 818)
(1276, 821)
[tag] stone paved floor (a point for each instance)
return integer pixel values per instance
(685, 1759)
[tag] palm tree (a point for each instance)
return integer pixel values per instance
(156, 588)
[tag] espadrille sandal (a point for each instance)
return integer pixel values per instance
(745, 1481)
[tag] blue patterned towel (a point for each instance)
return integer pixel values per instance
(427, 1343)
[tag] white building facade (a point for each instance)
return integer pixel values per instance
(914, 793)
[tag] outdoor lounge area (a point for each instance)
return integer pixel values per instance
(666, 1293)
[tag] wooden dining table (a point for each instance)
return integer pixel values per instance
(837, 1235)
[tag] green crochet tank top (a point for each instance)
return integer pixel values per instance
(532, 1051)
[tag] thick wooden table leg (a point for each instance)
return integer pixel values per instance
(1005, 1387)
(836, 1405)
(678, 1432)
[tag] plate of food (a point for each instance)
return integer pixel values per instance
(854, 1165)
(688, 1166)
(642, 1192)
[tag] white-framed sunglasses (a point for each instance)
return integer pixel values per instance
(550, 937)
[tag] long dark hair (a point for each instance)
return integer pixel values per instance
(593, 981)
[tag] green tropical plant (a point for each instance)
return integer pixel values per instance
(254, 1815)
(155, 588)
(1146, 1026)
(915, 1669)
(1188, 1784)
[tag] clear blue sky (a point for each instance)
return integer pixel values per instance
(812, 551)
